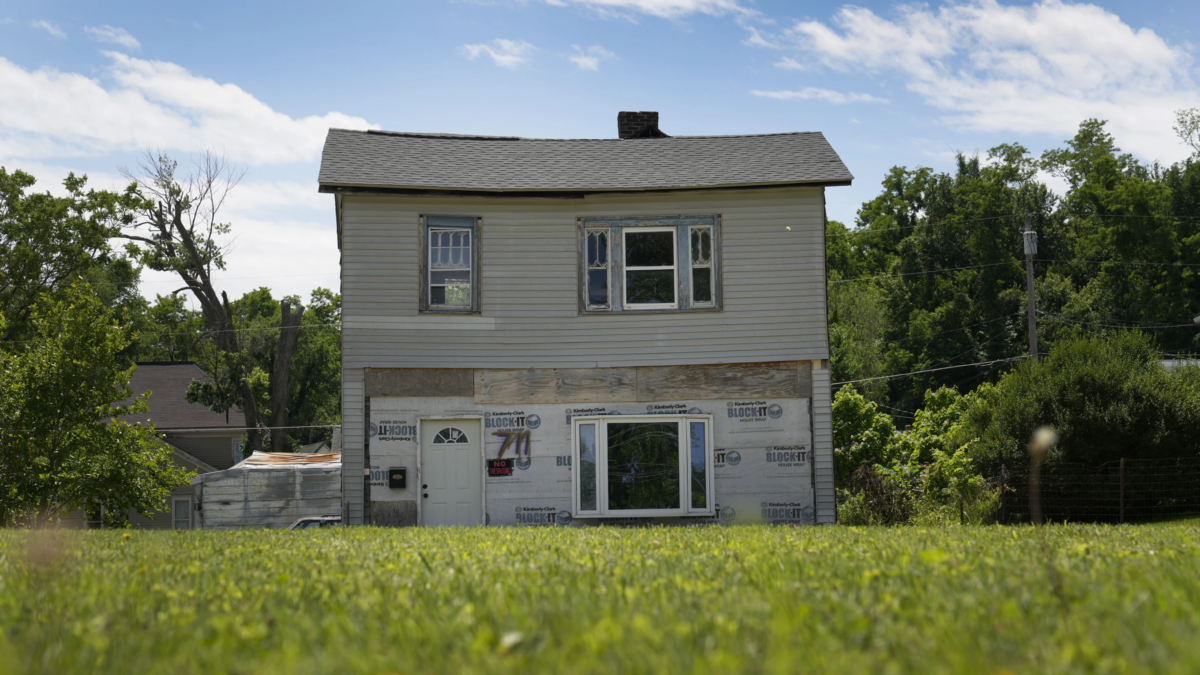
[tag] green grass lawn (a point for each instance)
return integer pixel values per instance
(740, 599)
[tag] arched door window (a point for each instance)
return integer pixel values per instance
(450, 436)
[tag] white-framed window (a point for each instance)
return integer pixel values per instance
(598, 268)
(642, 466)
(181, 513)
(650, 263)
(651, 279)
(450, 264)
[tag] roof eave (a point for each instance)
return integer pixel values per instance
(550, 193)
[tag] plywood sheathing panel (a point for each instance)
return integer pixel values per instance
(419, 382)
(786, 379)
(555, 385)
(739, 380)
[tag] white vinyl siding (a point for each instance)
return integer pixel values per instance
(773, 285)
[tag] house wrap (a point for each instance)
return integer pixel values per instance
(576, 332)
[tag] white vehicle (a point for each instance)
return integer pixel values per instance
(316, 521)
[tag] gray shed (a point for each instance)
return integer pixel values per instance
(269, 490)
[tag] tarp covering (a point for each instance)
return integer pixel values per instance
(278, 459)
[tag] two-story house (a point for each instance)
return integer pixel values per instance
(584, 331)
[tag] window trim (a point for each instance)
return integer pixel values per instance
(588, 269)
(617, 225)
(430, 222)
(712, 260)
(685, 489)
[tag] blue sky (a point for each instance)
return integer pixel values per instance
(87, 86)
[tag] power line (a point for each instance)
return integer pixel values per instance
(1119, 262)
(1060, 317)
(908, 274)
(1117, 215)
(169, 431)
(929, 370)
(952, 330)
(199, 332)
(868, 230)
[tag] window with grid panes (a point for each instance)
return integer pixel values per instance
(650, 263)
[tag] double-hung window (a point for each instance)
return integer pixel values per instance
(650, 263)
(642, 466)
(450, 264)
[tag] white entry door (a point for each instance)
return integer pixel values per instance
(451, 473)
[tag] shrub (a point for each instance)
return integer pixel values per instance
(861, 435)
(930, 478)
(1108, 398)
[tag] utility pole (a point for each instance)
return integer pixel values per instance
(1030, 250)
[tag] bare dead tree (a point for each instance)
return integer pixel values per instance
(179, 230)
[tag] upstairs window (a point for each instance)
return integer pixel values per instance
(635, 466)
(650, 263)
(650, 278)
(450, 264)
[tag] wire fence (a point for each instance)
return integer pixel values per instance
(1124, 491)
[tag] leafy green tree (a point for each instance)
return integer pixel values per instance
(857, 313)
(316, 393)
(169, 331)
(63, 444)
(49, 243)
(861, 435)
(314, 396)
(1135, 255)
(935, 429)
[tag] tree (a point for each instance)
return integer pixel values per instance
(63, 444)
(1187, 126)
(48, 243)
(314, 399)
(861, 435)
(183, 225)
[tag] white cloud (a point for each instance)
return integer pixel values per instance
(112, 35)
(815, 94)
(50, 28)
(504, 53)
(788, 63)
(1022, 69)
(665, 9)
(590, 58)
(156, 104)
(756, 38)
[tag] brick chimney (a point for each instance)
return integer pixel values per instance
(642, 124)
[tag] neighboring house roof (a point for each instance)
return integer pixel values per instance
(168, 382)
(200, 465)
(402, 161)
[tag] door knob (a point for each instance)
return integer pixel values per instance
(424, 487)
(426, 495)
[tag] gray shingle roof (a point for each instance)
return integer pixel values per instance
(491, 163)
(168, 382)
